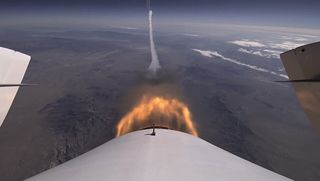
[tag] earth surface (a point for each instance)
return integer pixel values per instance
(88, 79)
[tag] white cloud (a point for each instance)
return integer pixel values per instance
(295, 38)
(205, 53)
(300, 39)
(290, 43)
(125, 27)
(310, 36)
(248, 43)
(211, 54)
(273, 51)
(262, 53)
(192, 35)
(287, 45)
(257, 52)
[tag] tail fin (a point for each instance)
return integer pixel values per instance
(303, 68)
(13, 66)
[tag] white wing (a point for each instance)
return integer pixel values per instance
(170, 155)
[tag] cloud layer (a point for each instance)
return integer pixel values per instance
(262, 52)
(190, 34)
(247, 43)
(211, 54)
(270, 49)
(286, 45)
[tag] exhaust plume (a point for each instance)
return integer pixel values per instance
(154, 65)
(164, 112)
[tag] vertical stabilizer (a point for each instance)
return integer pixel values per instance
(13, 66)
(303, 68)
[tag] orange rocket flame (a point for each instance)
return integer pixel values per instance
(162, 112)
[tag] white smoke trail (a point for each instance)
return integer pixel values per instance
(154, 65)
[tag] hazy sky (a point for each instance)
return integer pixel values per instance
(303, 13)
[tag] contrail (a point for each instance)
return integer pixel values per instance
(154, 65)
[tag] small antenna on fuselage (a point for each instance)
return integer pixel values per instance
(153, 129)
